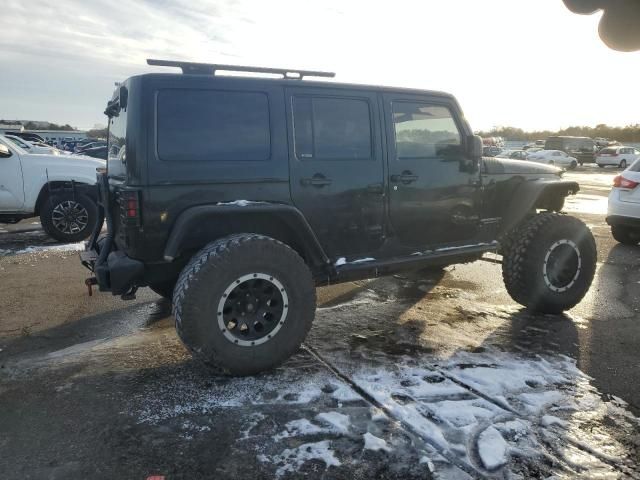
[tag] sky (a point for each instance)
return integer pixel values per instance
(526, 63)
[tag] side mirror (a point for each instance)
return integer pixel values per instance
(4, 151)
(475, 147)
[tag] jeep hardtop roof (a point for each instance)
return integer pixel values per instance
(291, 77)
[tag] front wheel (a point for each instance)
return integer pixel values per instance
(244, 303)
(549, 263)
(68, 217)
(601, 165)
(623, 164)
(573, 166)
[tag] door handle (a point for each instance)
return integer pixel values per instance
(317, 180)
(405, 177)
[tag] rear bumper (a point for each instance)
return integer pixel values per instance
(119, 274)
(623, 221)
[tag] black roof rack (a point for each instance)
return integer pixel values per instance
(211, 68)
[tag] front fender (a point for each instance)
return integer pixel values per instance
(197, 226)
(528, 194)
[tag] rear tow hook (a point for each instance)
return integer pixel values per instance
(89, 282)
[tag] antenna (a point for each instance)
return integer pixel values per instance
(192, 68)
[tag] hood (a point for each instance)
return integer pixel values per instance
(507, 166)
(61, 167)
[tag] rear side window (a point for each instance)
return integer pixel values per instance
(331, 128)
(208, 125)
(608, 150)
(424, 131)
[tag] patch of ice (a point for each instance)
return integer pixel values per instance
(345, 393)
(338, 421)
(292, 459)
(492, 449)
(430, 465)
(378, 415)
(548, 420)
(371, 442)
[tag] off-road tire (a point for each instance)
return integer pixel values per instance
(625, 235)
(200, 289)
(527, 252)
(49, 205)
(164, 289)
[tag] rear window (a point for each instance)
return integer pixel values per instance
(608, 150)
(208, 125)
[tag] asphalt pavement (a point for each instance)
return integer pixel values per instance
(422, 375)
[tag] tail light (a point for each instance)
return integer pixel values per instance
(130, 207)
(622, 182)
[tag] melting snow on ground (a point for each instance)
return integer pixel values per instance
(478, 414)
(69, 247)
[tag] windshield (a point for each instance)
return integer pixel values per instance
(19, 143)
(116, 156)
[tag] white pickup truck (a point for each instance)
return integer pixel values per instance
(57, 188)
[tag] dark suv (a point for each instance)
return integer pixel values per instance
(237, 196)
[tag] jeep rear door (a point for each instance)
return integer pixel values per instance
(434, 185)
(336, 166)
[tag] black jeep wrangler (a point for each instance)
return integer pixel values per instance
(237, 196)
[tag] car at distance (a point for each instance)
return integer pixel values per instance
(514, 154)
(32, 147)
(491, 151)
(96, 152)
(554, 157)
(623, 212)
(617, 156)
(87, 146)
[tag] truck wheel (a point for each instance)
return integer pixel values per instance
(549, 263)
(625, 235)
(244, 303)
(164, 289)
(68, 217)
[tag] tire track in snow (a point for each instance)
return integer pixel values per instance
(473, 470)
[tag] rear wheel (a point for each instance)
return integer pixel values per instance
(244, 303)
(625, 235)
(549, 263)
(623, 163)
(68, 217)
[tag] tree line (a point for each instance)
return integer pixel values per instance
(630, 133)
(39, 125)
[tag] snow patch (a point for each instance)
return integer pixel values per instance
(371, 442)
(293, 458)
(337, 420)
(340, 261)
(300, 427)
(70, 247)
(492, 449)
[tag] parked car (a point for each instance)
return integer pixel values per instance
(513, 154)
(237, 196)
(81, 143)
(96, 152)
(58, 188)
(554, 157)
(623, 212)
(617, 156)
(87, 146)
(30, 147)
(491, 151)
(581, 148)
(29, 136)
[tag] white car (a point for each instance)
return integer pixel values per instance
(31, 147)
(554, 157)
(623, 213)
(55, 187)
(618, 156)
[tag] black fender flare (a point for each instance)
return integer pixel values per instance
(527, 195)
(287, 215)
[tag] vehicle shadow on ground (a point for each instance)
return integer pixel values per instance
(107, 325)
